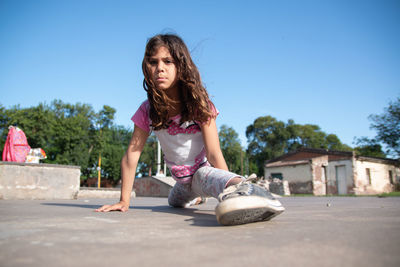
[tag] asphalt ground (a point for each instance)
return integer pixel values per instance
(313, 231)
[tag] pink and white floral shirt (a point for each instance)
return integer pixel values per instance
(182, 144)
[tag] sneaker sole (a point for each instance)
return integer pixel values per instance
(248, 209)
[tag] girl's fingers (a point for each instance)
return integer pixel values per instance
(107, 208)
(104, 208)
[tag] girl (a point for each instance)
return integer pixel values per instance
(180, 113)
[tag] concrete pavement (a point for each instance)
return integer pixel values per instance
(313, 231)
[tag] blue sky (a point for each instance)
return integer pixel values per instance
(324, 62)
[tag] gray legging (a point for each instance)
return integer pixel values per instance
(206, 182)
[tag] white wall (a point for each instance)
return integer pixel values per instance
(318, 166)
(294, 173)
(355, 180)
(379, 173)
(349, 173)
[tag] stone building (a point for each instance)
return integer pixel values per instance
(323, 172)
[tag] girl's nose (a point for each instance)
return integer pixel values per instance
(160, 67)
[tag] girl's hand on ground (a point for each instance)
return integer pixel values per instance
(121, 206)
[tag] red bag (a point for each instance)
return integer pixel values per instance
(16, 147)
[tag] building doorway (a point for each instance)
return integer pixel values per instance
(341, 179)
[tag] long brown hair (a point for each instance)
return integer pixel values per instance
(194, 98)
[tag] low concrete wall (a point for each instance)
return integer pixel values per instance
(38, 181)
(153, 186)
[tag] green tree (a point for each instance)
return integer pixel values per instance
(312, 136)
(148, 159)
(103, 145)
(231, 149)
(369, 147)
(387, 126)
(269, 138)
(116, 140)
(3, 125)
(37, 123)
(307, 135)
(72, 134)
(105, 117)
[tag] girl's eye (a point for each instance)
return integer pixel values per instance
(152, 62)
(169, 61)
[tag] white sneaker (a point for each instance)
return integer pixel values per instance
(246, 203)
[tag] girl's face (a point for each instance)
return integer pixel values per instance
(162, 69)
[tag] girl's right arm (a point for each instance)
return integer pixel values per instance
(128, 170)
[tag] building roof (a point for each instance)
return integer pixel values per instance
(379, 160)
(309, 153)
(287, 163)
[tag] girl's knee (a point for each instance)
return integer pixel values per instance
(175, 204)
(177, 198)
(201, 172)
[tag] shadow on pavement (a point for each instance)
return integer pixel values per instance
(73, 205)
(199, 217)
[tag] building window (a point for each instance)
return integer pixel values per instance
(391, 177)
(277, 175)
(368, 174)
